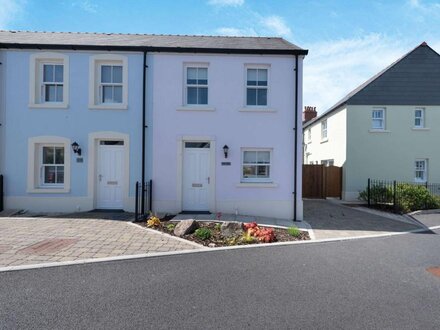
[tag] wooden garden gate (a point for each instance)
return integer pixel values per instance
(320, 181)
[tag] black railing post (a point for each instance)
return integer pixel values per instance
(143, 197)
(369, 192)
(136, 202)
(394, 195)
(1, 193)
(150, 201)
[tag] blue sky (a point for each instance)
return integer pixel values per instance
(349, 41)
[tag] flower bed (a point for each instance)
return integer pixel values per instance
(211, 234)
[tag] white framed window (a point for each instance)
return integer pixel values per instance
(52, 165)
(196, 85)
(108, 82)
(421, 170)
(324, 135)
(257, 86)
(378, 119)
(48, 165)
(309, 135)
(419, 118)
(256, 165)
(49, 80)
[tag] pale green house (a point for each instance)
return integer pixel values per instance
(388, 128)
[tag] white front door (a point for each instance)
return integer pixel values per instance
(196, 179)
(110, 175)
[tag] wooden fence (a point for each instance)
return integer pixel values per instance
(320, 181)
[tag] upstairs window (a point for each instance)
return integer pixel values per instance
(378, 119)
(53, 82)
(419, 118)
(49, 80)
(256, 86)
(421, 170)
(324, 130)
(108, 82)
(110, 88)
(309, 135)
(196, 85)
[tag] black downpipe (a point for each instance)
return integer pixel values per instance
(296, 142)
(144, 86)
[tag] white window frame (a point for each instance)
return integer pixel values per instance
(36, 96)
(324, 130)
(257, 180)
(186, 85)
(309, 135)
(328, 162)
(257, 107)
(35, 182)
(95, 84)
(421, 118)
(42, 165)
(419, 169)
(383, 126)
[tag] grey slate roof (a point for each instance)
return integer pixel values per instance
(153, 42)
(414, 79)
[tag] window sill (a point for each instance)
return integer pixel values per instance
(324, 140)
(257, 185)
(420, 129)
(195, 108)
(108, 107)
(256, 109)
(48, 105)
(379, 131)
(48, 191)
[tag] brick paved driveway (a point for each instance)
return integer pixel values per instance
(41, 240)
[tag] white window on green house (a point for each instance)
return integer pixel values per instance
(52, 166)
(256, 165)
(196, 86)
(111, 84)
(378, 119)
(52, 84)
(324, 130)
(419, 118)
(256, 86)
(421, 170)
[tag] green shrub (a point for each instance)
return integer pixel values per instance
(378, 193)
(294, 231)
(412, 197)
(203, 233)
(171, 226)
(218, 226)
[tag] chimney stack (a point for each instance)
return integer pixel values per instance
(309, 113)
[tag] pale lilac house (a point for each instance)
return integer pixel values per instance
(214, 122)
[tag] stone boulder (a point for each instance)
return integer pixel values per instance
(185, 227)
(231, 229)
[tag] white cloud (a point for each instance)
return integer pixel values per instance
(277, 25)
(10, 9)
(230, 31)
(226, 3)
(334, 68)
(86, 5)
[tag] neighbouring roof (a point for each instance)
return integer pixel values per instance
(151, 42)
(414, 79)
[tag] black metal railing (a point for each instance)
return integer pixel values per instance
(401, 196)
(143, 200)
(1, 193)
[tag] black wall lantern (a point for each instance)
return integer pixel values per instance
(226, 150)
(76, 149)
